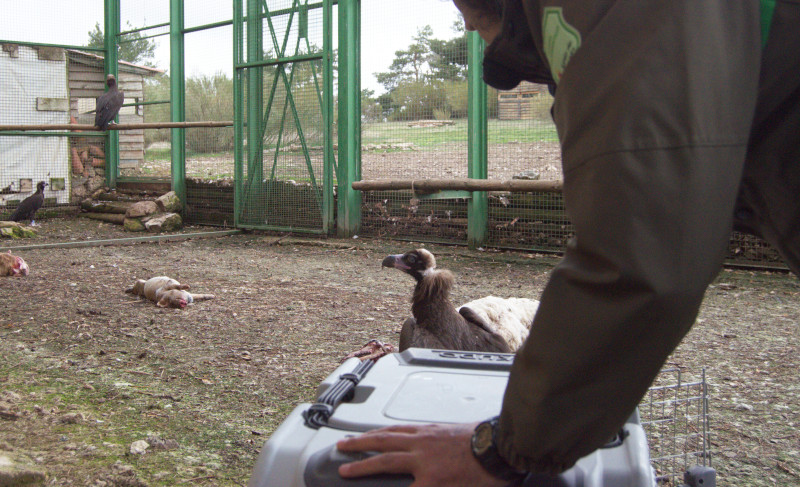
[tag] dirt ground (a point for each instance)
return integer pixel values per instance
(87, 371)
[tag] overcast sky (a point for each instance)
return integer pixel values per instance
(387, 26)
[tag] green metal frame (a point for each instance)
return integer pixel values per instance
(177, 96)
(248, 189)
(251, 114)
(349, 170)
(477, 153)
(111, 38)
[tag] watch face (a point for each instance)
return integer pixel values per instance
(482, 438)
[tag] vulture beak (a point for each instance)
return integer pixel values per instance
(395, 261)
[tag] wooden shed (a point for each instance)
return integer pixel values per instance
(515, 104)
(86, 80)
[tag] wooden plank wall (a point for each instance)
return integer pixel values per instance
(88, 81)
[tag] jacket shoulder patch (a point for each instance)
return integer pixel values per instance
(561, 40)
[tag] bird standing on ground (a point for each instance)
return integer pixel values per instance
(489, 324)
(108, 104)
(30, 205)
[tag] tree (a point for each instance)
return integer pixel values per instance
(133, 49)
(410, 64)
(448, 59)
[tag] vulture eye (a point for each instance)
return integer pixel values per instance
(412, 259)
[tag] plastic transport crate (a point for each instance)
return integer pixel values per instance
(420, 386)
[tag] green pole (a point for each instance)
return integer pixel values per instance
(477, 166)
(238, 108)
(111, 34)
(328, 213)
(255, 103)
(177, 95)
(349, 203)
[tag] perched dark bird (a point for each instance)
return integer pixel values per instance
(30, 205)
(108, 104)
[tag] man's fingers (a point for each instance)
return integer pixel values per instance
(385, 463)
(379, 440)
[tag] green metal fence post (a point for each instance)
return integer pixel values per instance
(328, 213)
(238, 108)
(349, 202)
(478, 206)
(111, 38)
(255, 104)
(177, 98)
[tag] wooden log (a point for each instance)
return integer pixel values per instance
(433, 185)
(119, 126)
(97, 162)
(117, 218)
(118, 207)
(77, 163)
(97, 152)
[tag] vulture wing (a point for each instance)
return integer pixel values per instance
(108, 105)
(29, 206)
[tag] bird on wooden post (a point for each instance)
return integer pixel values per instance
(108, 104)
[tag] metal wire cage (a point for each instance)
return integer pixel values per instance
(674, 415)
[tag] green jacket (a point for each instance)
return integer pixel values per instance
(672, 119)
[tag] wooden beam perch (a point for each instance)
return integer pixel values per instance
(77, 127)
(433, 185)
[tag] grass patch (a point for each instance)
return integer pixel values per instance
(499, 132)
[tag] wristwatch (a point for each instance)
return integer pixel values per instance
(484, 447)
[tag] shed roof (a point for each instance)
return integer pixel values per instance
(90, 59)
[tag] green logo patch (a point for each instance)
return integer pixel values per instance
(561, 40)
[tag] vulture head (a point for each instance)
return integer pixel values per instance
(416, 263)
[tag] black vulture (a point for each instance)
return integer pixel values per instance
(489, 324)
(108, 104)
(30, 205)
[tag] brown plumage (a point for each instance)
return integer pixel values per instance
(436, 322)
(108, 104)
(29, 206)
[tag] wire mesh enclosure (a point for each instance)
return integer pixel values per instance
(283, 64)
(674, 414)
(290, 79)
(36, 88)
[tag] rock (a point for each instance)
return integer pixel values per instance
(138, 447)
(159, 444)
(530, 175)
(18, 470)
(142, 208)
(72, 418)
(167, 222)
(15, 230)
(10, 396)
(94, 184)
(169, 202)
(133, 225)
(78, 191)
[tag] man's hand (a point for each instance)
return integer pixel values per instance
(436, 455)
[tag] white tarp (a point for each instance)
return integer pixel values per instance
(24, 79)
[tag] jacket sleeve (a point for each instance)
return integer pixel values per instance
(652, 160)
